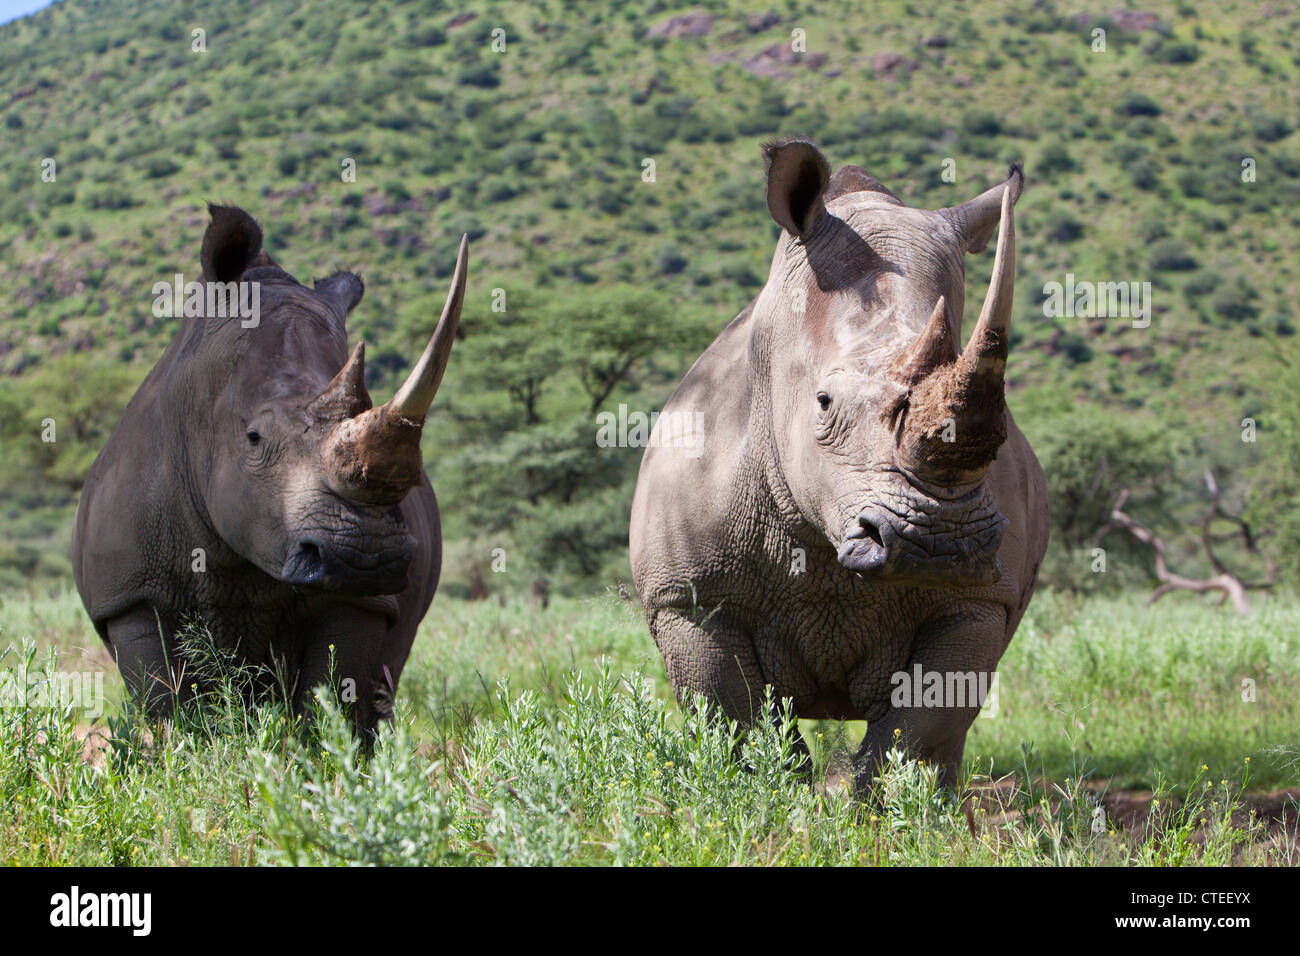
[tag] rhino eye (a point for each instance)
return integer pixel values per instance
(253, 436)
(823, 400)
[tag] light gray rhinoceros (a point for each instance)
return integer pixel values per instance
(856, 520)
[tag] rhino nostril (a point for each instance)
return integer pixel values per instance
(871, 532)
(310, 556)
(306, 564)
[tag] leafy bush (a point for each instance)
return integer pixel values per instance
(110, 197)
(1173, 51)
(1065, 229)
(982, 123)
(1202, 283)
(1279, 466)
(1138, 104)
(484, 74)
(1235, 300)
(1191, 182)
(1056, 158)
(1270, 127)
(83, 399)
(160, 167)
(426, 36)
(1088, 456)
(533, 787)
(1170, 255)
(1144, 176)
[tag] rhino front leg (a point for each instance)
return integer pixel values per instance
(951, 669)
(934, 736)
(145, 650)
(707, 654)
(344, 652)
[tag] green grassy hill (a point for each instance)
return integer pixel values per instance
(1134, 157)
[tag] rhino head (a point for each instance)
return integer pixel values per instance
(294, 467)
(884, 427)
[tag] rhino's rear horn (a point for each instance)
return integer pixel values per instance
(345, 396)
(933, 349)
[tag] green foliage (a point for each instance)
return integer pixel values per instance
(1138, 104)
(1271, 127)
(53, 423)
(1056, 158)
(1170, 255)
(160, 167)
(1089, 457)
(527, 469)
(525, 737)
(1166, 50)
(333, 806)
(1279, 470)
(1066, 229)
(1235, 300)
(1133, 163)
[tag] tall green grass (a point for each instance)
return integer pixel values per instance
(550, 737)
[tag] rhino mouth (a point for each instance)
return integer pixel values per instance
(933, 543)
(864, 549)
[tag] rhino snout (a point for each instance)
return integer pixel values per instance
(319, 563)
(924, 549)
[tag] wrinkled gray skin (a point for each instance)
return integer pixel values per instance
(226, 448)
(823, 442)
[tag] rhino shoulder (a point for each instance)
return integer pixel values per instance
(696, 468)
(121, 548)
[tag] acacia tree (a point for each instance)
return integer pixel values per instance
(529, 380)
(616, 328)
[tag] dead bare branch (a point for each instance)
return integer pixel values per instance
(1224, 581)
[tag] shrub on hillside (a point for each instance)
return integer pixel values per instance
(1171, 255)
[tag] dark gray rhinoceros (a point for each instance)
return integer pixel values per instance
(252, 487)
(849, 513)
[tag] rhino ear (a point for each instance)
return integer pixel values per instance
(230, 244)
(976, 220)
(344, 289)
(797, 175)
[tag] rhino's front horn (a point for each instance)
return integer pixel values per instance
(985, 357)
(416, 394)
(374, 457)
(957, 417)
